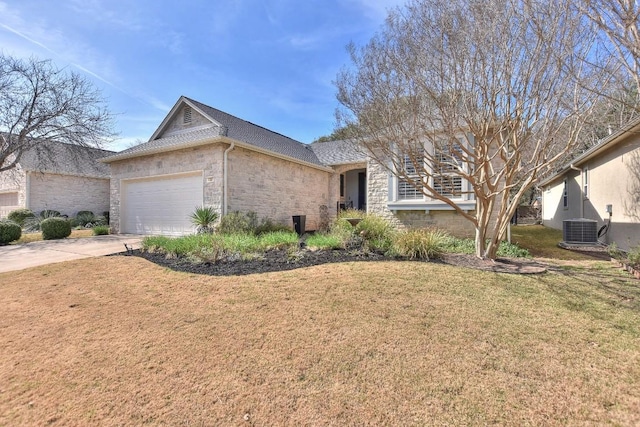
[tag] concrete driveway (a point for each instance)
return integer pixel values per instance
(19, 257)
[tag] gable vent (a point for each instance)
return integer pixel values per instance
(579, 230)
(186, 118)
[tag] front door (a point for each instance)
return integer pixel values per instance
(362, 191)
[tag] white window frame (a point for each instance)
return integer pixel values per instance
(585, 182)
(449, 171)
(395, 202)
(404, 189)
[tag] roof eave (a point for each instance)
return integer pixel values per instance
(157, 150)
(609, 142)
(274, 154)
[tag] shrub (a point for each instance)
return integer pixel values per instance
(100, 230)
(9, 231)
(420, 244)
(33, 223)
(50, 213)
(85, 218)
(55, 228)
(376, 232)
(325, 241)
(239, 223)
(269, 226)
(203, 218)
(278, 239)
(20, 215)
(633, 256)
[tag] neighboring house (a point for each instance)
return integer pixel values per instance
(602, 184)
(201, 156)
(57, 176)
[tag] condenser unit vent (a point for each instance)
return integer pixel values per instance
(580, 230)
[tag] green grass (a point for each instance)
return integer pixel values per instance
(325, 241)
(198, 244)
(543, 242)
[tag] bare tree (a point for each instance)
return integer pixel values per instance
(472, 100)
(40, 103)
(619, 23)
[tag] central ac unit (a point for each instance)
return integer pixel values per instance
(580, 230)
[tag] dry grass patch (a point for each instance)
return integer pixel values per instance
(37, 236)
(121, 341)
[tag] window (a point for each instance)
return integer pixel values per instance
(341, 185)
(186, 118)
(447, 161)
(9, 199)
(408, 187)
(585, 182)
(565, 194)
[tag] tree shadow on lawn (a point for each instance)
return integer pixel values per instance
(591, 282)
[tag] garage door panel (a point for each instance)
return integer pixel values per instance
(161, 206)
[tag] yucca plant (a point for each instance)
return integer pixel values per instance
(204, 218)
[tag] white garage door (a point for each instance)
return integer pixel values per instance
(161, 205)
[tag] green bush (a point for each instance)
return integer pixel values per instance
(33, 223)
(239, 223)
(50, 213)
(420, 244)
(9, 231)
(20, 215)
(55, 228)
(633, 256)
(269, 226)
(100, 230)
(85, 218)
(204, 218)
(325, 241)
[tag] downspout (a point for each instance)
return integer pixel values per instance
(581, 195)
(225, 173)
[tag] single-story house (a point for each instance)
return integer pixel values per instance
(57, 176)
(601, 185)
(201, 156)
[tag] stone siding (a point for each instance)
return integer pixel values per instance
(67, 194)
(177, 124)
(207, 159)
(13, 181)
(378, 199)
(276, 188)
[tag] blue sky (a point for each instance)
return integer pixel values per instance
(270, 62)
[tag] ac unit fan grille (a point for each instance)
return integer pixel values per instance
(580, 231)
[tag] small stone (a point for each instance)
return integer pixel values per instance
(247, 417)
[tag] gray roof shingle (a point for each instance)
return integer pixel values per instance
(259, 136)
(338, 152)
(66, 159)
(230, 127)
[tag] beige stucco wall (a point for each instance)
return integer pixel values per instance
(67, 194)
(614, 179)
(12, 181)
(277, 188)
(207, 159)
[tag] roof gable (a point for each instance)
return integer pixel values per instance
(207, 124)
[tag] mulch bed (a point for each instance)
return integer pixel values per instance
(282, 260)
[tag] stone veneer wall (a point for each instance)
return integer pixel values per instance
(208, 159)
(68, 194)
(378, 197)
(11, 181)
(276, 188)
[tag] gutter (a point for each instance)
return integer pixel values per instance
(573, 167)
(225, 168)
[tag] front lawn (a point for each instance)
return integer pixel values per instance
(37, 236)
(121, 341)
